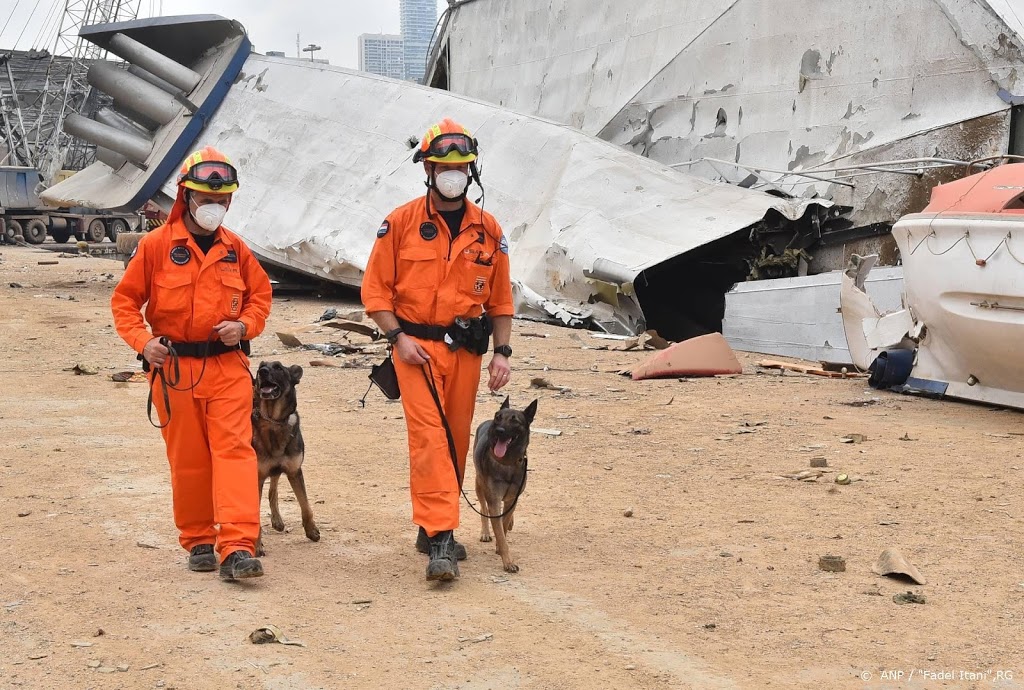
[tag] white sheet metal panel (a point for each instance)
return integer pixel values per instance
(323, 155)
(800, 317)
(779, 84)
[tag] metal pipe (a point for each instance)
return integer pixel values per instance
(904, 161)
(138, 118)
(136, 93)
(121, 122)
(155, 63)
(133, 147)
(114, 160)
(156, 81)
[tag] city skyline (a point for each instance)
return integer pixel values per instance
(418, 19)
(382, 54)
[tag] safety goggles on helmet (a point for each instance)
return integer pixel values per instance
(212, 174)
(441, 147)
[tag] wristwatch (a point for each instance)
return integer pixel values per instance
(244, 329)
(505, 350)
(392, 335)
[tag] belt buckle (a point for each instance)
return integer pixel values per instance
(461, 323)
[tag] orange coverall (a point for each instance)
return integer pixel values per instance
(209, 437)
(420, 274)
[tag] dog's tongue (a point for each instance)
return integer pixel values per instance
(267, 390)
(500, 448)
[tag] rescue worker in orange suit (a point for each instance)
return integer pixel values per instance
(207, 297)
(437, 284)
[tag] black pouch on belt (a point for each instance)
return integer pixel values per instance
(384, 377)
(472, 334)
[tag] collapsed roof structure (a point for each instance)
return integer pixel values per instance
(809, 98)
(599, 236)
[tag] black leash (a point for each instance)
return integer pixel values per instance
(171, 379)
(454, 455)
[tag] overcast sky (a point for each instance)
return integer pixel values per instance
(334, 25)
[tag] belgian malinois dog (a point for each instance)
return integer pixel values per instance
(277, 439)
(499, 456)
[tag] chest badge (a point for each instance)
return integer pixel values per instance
(231, 257)
(181, 255)
(428, 231)
(478, 285)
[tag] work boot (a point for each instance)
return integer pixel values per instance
(240, 565)
(423, 545)
(201, 558)
(442, 564)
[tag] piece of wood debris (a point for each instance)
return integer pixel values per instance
(481, 638)
(546, 432)
(806, 369)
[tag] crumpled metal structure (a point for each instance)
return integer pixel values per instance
(761, 92)
(598, 235)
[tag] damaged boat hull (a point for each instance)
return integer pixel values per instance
(325, 154)
(963, 260)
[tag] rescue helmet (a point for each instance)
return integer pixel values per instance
(210, 171)
(447, 142)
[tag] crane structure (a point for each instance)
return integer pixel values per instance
(42, 143)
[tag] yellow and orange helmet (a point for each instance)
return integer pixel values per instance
(208, 170)
(447, 142)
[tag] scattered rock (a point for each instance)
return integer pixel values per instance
(81, 644)
(630, 667)
(106, 669)
(123, 668)
(628, 512)
(725, 554)
(100, 632)
(832, 564)
(710, 626)
(24, 513)
(37, 657)
(17, 285)
(853, 438)
(94, 664)
(271, 633)
(819, 462)
(908, 598)
(145, 545)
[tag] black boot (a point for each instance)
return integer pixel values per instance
(240, 565)
(442, 564)
(201, 559)
(423, 545)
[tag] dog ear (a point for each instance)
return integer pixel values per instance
(504, 405)
(296, 373)
(530, 412)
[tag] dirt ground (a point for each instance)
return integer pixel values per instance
(713, 582)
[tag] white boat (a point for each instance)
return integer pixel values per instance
(963, 315)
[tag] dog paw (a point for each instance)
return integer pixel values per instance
(511, 568)
(278, 524)
(260, 551)
(485, 538)
(313, 534)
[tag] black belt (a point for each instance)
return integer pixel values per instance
(471, 334)
(424, 332)
(208, 349)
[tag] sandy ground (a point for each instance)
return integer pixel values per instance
(713, 582)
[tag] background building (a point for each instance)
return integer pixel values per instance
(418, 20)
(382, 54)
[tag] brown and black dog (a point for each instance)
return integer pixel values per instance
(499, 456)
(277, 439)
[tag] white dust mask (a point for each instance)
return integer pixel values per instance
(451, 183)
